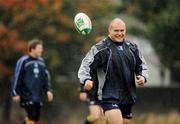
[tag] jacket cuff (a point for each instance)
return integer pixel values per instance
(86, 80)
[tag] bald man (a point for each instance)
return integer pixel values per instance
(111, 70)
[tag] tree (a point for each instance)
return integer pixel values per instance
(51, 21)
(162, 19)
(165, 35)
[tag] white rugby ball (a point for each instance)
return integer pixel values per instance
(82, 23)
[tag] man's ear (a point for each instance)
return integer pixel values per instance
(109, 29)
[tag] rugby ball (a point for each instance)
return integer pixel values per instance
(82, 23)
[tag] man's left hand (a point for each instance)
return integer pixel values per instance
(50, 96)
(140, 80)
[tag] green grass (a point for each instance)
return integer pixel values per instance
(145, 118)
(172, 117)
(156, 118)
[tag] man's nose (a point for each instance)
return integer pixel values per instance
(119, 32)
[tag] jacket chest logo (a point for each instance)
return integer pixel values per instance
(120, 48)
(36, 70)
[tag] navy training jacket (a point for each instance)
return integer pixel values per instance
(31, 79)
(112, 68)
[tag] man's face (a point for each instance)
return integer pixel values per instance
(37, 51)
(117, 31)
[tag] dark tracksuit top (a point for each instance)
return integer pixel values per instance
(31, 79)
(112, 68)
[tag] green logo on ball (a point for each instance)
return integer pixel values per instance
(80, 23)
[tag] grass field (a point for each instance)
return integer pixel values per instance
(151, 118)
(77, 117)
(148, 118)
(145, 118)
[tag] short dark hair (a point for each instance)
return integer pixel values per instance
(33, 43)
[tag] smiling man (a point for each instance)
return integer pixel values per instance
(111, 69)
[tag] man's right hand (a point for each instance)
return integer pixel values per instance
(16, 98)
(88, 85)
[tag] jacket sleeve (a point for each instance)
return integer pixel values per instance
(141, 66)
(47, 85)
(89, 63)
(17, 78)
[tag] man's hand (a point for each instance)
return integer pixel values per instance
(88, 85)
(16, 98)
(140, 80)
(50, 96)
(83, 96)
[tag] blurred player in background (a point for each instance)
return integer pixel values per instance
(31, 80)
(95, 111)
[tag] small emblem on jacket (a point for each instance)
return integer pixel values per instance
(120, 48)
(114, 105)
(36, 70)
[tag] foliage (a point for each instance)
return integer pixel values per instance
(162, 19)
(165, 33)
(51, 21)
(145, 10)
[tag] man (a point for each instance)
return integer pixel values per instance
(112, 67)
(31, 80)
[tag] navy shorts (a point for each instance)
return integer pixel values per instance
(33, 111)
(126, 109)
